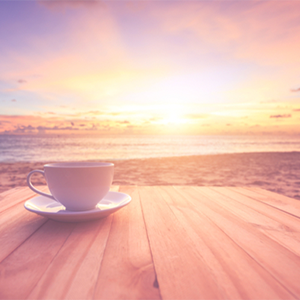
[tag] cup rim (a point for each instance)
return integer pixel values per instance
(79, 165)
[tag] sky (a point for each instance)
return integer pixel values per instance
(150, 67)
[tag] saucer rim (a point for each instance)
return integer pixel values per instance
(66, 213)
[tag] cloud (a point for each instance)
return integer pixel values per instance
(55, 128)
(32, 129)
(281, 116)
(123, 122)
(58, 5)
(18, 124)
(13, 100)
(295, 90)
(268, 101)
(195, 116)
(263, 31)
(24, 129)
(94, 112)
(296, 109)
(22, 81)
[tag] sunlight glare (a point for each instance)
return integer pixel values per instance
(173, 114)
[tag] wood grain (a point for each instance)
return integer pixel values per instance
(16, 195)
(29, 248)
(240, 275)
(21, 270)
(286, 204)
(16, 226)
(127, 270)
(281, 263)
(282, 227)
(73, 271)
(181, 271)
(178, 242)
(16, 223)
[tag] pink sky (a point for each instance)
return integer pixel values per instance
(115, 67)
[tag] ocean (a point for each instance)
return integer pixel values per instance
(50, 148)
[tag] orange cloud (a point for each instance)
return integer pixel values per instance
(154, 67)
(264, 31)
(191, 124)
(58, 5)
(281, 116)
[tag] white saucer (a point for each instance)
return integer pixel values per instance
(52, 209)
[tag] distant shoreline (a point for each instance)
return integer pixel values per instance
(33, 149)
(148, 158)
(274, 171)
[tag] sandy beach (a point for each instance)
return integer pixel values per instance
(274, 171)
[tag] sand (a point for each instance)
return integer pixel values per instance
(278, 172)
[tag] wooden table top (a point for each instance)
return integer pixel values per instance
(170, 242)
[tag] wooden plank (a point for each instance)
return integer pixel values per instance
(16, 226)
(287, 204)
(233, 268)
(182, 273)
(21, 194)
(202, 247)
(11, 191)
(73, 271)
(31, 255)
(22, 269)
(276, 224)
(127, 270)
(16, 195)
(281, 263)
(114, 188)
(16, 223)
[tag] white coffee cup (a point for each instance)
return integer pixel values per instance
(76, 185)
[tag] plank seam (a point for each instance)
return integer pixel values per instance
(265, 232)
(17, 203)
(155, 283)
(270, 205)
(247, 253)
(262, 191)
(24, 240)
(251, 257)
(103, 255)
(258, 201)
(50, 261)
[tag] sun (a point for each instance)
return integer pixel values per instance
(166, 114)
(172, 119)
(173, 116)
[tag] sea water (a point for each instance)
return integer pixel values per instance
(50, 148)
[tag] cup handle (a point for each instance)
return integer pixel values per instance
(33, 188)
